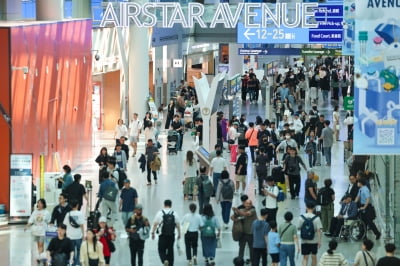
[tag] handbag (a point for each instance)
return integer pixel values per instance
(231, 141)
(92, 262)
(111, 245)
(237, 230)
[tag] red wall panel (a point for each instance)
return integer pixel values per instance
(5, 132)
(51, 105)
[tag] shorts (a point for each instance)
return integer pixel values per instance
(38, 239)
(275, 257)
(306, 249)
(134, 139)
(240, 178)
(107, 259)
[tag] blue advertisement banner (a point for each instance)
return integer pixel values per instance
(376, 84)
(348, 27)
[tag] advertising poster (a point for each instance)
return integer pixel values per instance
(376, 79)
(20, 185)
(348, 27)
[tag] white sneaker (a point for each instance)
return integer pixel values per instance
(194, 260)
(166, 263)
(189, 263)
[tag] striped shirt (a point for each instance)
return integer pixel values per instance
(335, 259)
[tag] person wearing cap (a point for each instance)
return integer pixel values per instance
(128, 201)
(271, 204)
(138, 229)
(60, 249)
(348, 211)
(124, 147)
(105, 235)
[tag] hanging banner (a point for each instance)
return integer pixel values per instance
(377, 70)
(20, 185)
(348, 27)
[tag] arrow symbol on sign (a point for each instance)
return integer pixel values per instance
(247, 33)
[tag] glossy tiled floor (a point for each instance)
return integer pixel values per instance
(16, 246)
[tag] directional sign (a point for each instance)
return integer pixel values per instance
(269, 51)
(317, 52)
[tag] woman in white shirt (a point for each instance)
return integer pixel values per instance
(120, 130)
(91, 250)
(38, 222)
(336, 122)
(191, 168)
(150, 133)
(191, 224)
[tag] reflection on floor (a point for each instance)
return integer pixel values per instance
(16, 245)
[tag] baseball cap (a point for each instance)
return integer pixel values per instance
(138, 207)
(102, 219)
(127, 181)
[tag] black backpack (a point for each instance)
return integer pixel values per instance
(278, 175)
(307, 231)
(121, 177)
(227, 190)
(168, 224)
(324, 196)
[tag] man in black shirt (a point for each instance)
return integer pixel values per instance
(199, 129)
(77, 191)
(60, 250)
(389, 259)
(151, 152)
(124, 147)
(241, 169)
(60, 210)
(176, 125)
(319, 126)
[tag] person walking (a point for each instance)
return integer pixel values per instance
(190, 173)
(208, 235)
(289, 240)
(217, 165)
(233, 140)
(390, 259)
(120, 130)
(291, 166)
(271, 194)
(262, 163)
(365, 256)
(66, 179)
(101, 160)
(251, 136)
(191, 224)
(241, 170)
(74, 221)
(151, 153)
(108, 193)
(310, 188)
(135, 126)
(326, 197)
(60, 250)
(38, 223)
(205, 188)
(224, 196)
(331, 257)
(138, 229)
(327, 141)
(128, 201)
(91, 250)
(120, 157)
(260, 229)
(336, 122)
(167, 220)
(310, 234)
(106, 235)
(77, 191)
(59, 211)
(274, 242)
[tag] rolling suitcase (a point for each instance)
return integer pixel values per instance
(93, 218)
(319, 157)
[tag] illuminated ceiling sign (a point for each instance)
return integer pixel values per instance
(251, 15)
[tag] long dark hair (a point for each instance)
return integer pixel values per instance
(208, 211)
(332, 246)
(94, 239)
(189, 157)
(104, 149)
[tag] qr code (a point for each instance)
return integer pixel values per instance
(385, 136)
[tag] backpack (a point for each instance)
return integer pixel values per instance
(121, 178)
(155, 165)
(208, 230)
(110, 193)
(324, 196)
(307, 231)
(227, 190)
(168, 224)
(207, 187)
(309, 147)
(281, 195)
(278, 175)
(335, 76)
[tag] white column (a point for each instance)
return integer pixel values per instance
(158, 74)
(81, 9)
(49, 9)
(138, 60)
(235, 60)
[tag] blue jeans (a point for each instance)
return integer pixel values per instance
(287, 251)
(328, 154)
(125, 217)
(76, 243)
(325, 95)
(216, 177)
(226, 210)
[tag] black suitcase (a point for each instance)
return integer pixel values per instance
(94, 216)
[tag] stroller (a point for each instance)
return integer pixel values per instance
(172, 141)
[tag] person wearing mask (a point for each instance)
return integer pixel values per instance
(66, 179)
(59, 211)
(224, 196)
(134, 131)
(390, 259)
(291, 166)
(191, 224)
(367, 210)
(138, 228)
(127, 202)
(271, 204)
(287, 142)
(77, 191)
(120, 130)
(348, 211)
(210, 233)
(91, 250)
(38, 223)
(205, 188)
(106, 236)
(310, 189)
(167, 220)
(260, 229)
(251, 137)
(218, 164)
(331, 257)
(327, 138)
(365, 256)
(248, 214)
(101, 160)
(289, 240)
(326, 197)
(74, 221)
(60, 250)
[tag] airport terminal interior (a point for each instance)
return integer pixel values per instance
(70, 77)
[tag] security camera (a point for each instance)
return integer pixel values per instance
(97, 57)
